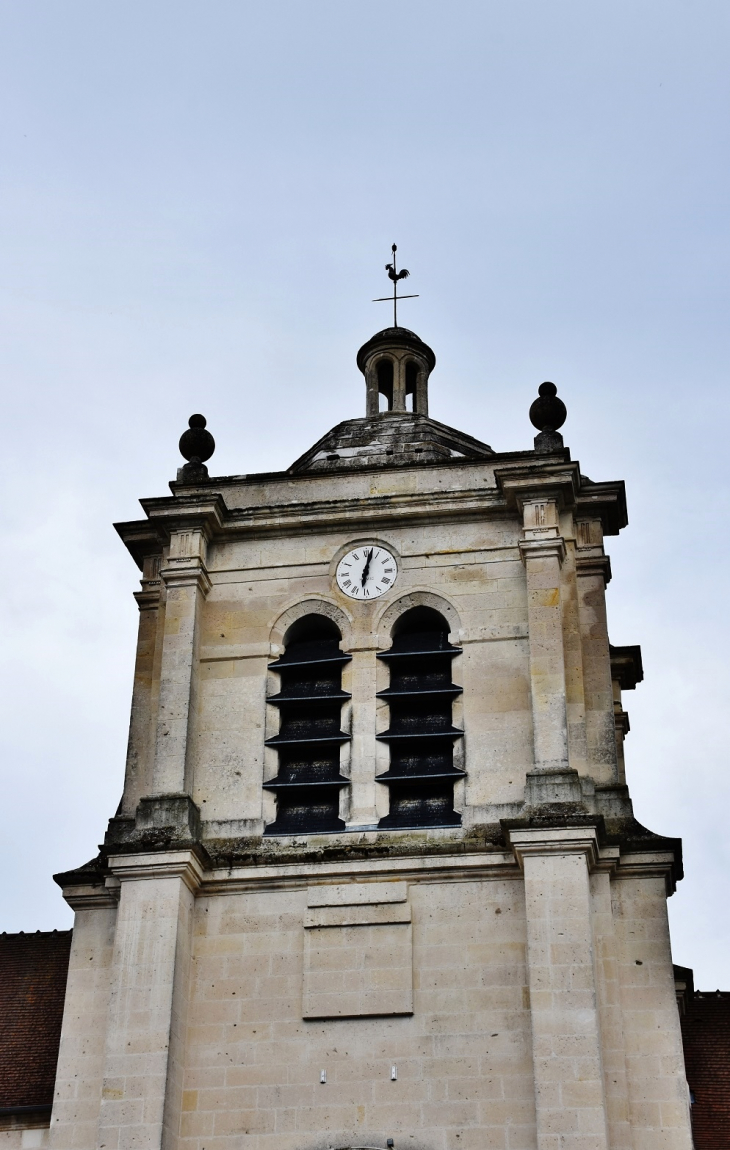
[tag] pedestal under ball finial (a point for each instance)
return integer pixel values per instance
(196, 445)
(547, 414)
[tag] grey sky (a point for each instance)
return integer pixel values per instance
(196, 204)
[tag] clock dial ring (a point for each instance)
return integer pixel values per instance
(366, 572)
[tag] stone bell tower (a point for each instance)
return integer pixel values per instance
(375, 879)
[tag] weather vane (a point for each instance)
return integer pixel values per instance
(395, 275)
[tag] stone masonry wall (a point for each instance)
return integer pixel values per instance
(464, 1070)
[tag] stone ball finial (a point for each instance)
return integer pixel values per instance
(196, 445)
(547, 414)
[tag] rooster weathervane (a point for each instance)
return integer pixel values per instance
(395, 275)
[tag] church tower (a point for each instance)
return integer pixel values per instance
(375, 880)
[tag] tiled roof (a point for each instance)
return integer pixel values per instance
(33, 969)
(706, 1036)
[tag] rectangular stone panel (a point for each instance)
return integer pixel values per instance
(358, 958)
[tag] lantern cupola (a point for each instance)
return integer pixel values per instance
(396, 364)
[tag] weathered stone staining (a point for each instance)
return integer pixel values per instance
(360, 834)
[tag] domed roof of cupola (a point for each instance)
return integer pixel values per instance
(396, 431)
(393, 439)
(393, 337)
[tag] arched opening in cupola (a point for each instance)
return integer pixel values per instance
(411, 384)
(385, 384)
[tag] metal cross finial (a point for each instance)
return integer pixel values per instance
(395, 275)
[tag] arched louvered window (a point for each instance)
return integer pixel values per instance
(421, 736)
(310, 699)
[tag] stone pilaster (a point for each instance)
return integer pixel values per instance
(141, 742)
(626, 672)
(575, 701)
(363, 749)
(541, 498)
(187, 584)
(609, 1002)
(657, 1085)
(80, 1070)
(570, 1095)
(593, 571)
(143, 1063)
(543, 551)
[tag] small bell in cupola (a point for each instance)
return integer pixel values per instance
(196, 445)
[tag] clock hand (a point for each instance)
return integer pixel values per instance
(366, 568)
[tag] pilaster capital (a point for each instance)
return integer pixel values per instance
(185, 865)
(593, 563)
(186, 571)
(627, 667)
(544, 841)
(550, 547)
(149, 598)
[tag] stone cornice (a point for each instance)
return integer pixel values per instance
(90, 896)
(293, 518)
(418, 868)
(606, 501)
(564, 482)
(525, 478)
(654, 864)
(622, 845)
(482, 865)
(141, 538)
(548, 481)
(206, 513)
(434, 506)
(257, 478)
(518, 474)
(184, 864)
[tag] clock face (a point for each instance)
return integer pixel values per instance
(366, 572)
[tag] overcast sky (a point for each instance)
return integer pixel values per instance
(196, 204)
